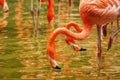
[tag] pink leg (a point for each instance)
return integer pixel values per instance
(70, 3)
(118, 22)
(33, 15)
(38, 14)
(99, 45)
(104, 27)
(113, 36)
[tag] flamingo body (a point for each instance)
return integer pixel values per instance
(92, 12)
(99, 11)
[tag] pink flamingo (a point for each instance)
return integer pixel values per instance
(3, 3)
(92, 12)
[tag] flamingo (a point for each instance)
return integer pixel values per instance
(3, 3)
(92, 12)
(50, 12)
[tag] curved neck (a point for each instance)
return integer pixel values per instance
(77, 36)
(50, 12)
(75, 25)
(50, 3)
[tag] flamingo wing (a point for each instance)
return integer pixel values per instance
(100, 11)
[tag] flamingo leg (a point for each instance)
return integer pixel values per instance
(33, 15)
(38, 14)
(70, 3)
(104, 28)
(99, 44)
(59, 11)
(118, 23)
(113, 36)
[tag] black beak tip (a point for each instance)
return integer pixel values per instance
(57, 67)
(83, 49)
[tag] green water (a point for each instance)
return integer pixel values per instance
(23, 54)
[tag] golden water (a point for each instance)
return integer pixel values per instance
(23, 52)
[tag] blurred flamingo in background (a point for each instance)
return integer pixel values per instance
(36, 17)
(50, 6)
(92, 12)
(4, 5)
(50, 11)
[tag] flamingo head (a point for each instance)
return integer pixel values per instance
(5, 7)
(51, 55)
(54, 64)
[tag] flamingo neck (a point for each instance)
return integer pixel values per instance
(75, 25)
(50, 3)
(77, 36)
(50, 12)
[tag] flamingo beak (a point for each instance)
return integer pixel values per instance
(83, 49)
(57, 67)
(54, 64)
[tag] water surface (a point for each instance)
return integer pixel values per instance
(23, 52)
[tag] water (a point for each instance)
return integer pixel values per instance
(23, 54)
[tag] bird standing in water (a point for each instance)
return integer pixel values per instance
(92, 12)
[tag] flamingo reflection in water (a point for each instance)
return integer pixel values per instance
(92, 12)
